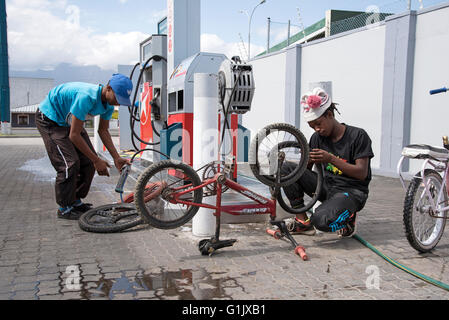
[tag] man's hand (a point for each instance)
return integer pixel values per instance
(320, 156)
(120, 162)
(105, 136)
(102, 167)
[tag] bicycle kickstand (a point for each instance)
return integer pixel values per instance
(282, 230)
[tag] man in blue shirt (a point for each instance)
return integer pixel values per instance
(60, 121)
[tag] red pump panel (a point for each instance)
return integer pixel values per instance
(146, 130)
(187, 134)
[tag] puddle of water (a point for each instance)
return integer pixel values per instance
(183, 284)
(40, 168)
(43, 171)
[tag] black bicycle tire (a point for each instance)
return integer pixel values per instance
(142, 181)
(253, 159)
(311, 203)
(85, 225)
(408, 210)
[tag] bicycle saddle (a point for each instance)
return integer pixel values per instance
(424, 151)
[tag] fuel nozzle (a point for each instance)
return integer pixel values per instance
(446, 142)
(155, 108)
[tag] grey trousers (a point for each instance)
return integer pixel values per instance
(75, 171)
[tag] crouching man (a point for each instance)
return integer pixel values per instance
(345, 152)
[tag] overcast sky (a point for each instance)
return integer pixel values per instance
(44, 33)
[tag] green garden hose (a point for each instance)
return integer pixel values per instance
(400, 266)
(388, 259)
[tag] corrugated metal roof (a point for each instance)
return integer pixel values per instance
(26, 109)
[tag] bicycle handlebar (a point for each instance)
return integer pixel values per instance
(436, 91)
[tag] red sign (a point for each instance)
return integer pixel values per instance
(146, 130)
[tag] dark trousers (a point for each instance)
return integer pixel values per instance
(75, 171)
(336, 205)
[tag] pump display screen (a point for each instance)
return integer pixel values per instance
(162, 26)
(146, 51)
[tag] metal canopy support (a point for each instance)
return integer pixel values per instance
(4, 72)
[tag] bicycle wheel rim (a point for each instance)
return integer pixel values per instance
(283, 202)
(161, 209)
(428, 230)
(263, 162)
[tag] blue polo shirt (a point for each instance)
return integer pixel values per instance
(75, 98)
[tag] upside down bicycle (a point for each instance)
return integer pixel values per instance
(177, 190)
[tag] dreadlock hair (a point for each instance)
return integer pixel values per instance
(333, 108)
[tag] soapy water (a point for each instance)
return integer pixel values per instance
(40, 168)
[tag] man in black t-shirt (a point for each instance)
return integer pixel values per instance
(345, 152)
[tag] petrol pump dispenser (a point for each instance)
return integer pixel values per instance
(179, 134)
(153, 101)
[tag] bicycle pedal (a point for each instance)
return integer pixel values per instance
(208, 247)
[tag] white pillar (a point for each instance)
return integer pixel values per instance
(98, 144)
(205, 142)
(183, 31)
(6, 128)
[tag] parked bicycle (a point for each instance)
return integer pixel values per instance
(426, 202)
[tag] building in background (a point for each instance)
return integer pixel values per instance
(26, 95)
(29, 91)
(24, 117)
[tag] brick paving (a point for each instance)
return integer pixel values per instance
(39, 254)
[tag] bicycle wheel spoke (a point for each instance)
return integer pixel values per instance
(161, 208)
(427, 228)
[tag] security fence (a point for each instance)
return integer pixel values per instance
(355, 22)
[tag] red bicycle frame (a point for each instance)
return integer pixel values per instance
(262, 205)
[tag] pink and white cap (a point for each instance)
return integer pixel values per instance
(315, 103)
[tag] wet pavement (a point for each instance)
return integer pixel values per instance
(42, 257)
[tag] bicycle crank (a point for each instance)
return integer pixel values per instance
(209, 246)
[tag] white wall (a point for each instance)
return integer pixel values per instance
(268, 104)
(28, 91)
(354, 63)
(430, 114)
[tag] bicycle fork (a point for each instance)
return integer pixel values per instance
(282, 231)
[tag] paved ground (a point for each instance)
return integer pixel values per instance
(40, 254)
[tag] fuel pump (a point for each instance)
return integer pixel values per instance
(178, 137)
(151, 108)
(165, 108)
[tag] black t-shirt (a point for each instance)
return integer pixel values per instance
(354, 144)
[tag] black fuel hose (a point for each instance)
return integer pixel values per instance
(142, 150)
(132, 116)
(131, 78)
